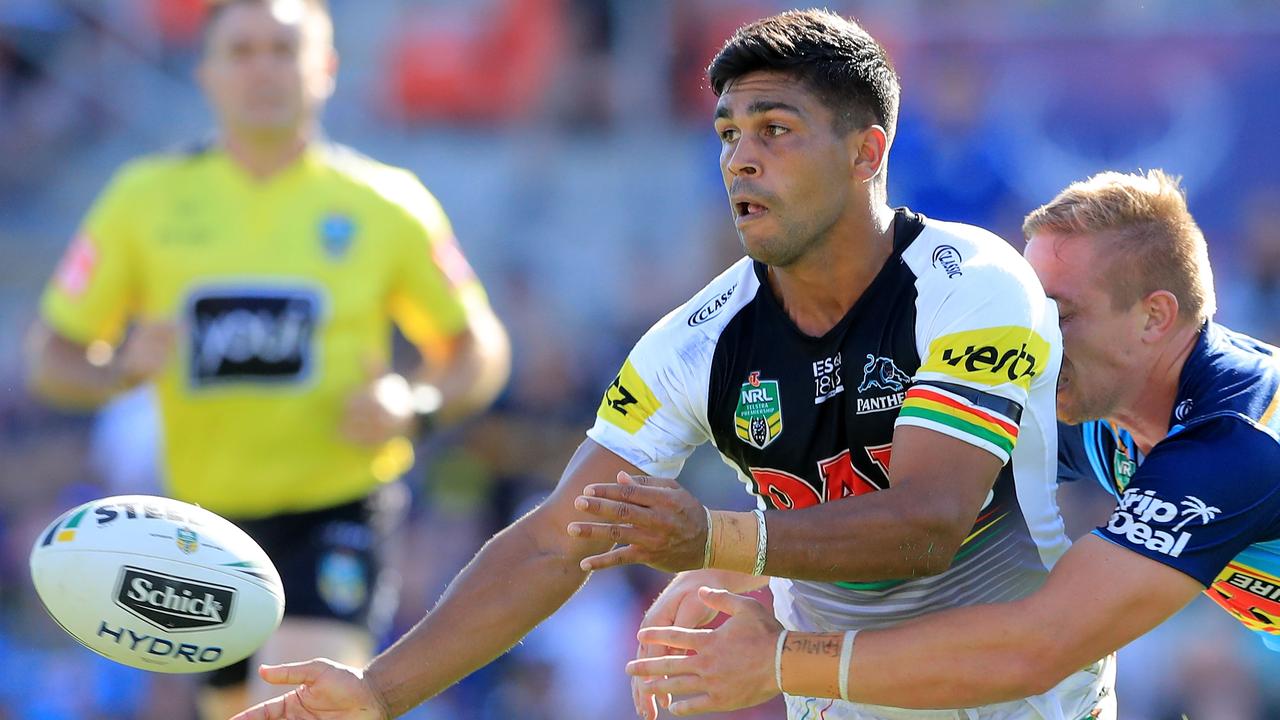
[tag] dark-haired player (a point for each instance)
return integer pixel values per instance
(261, 274)
(1178, 419)
(881, 382)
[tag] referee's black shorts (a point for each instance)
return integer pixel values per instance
(330, 563)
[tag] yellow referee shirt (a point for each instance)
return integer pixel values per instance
(285, 290)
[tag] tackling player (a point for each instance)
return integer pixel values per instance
(261, 274)
(1178, 420)
(852, 328)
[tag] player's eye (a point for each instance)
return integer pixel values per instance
(728, 135)
(774, 130)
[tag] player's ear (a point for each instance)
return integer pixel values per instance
(1161, 309)
(869, 151)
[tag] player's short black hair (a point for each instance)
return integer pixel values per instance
(215, 9)
(832, 55)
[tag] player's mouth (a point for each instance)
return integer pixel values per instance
(745, 211)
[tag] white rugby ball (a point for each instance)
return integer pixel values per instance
(157, 584)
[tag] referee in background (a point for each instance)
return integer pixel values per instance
(254, 281)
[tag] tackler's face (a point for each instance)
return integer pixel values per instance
(1102, 353)
(785, 168)
(268, 67)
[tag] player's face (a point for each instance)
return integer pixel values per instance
(1102, 355)
(786, 169)
(268, 68)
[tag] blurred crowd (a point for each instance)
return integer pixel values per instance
(570, 142)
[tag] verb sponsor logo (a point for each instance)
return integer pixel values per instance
(990, 356)
(628, 402)
(173, 603)
(711, 308)
(1249, 593)
(757, 420)
(827, 382)
(1143, 519)
(251, 336)
(947, 259)
(75, 270)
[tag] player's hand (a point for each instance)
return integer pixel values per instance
(679, 606)
(145, 353)
(733, 667)
(325, 691)
(381, 409)
(660, 523)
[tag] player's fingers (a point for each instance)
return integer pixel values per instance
(677, 685)
(692, 706)
(615, 557)
(633, 494)
(299, 673)
(645, 702)
(674, 637)
(614, 532)
(660, 666)
(614, 510)
(626, 478)
(269, 710)
(726, 602)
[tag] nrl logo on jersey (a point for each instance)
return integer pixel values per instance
(880, 373)
(758, 417)
(1141, 513)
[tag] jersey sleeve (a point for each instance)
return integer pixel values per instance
(434, 289)
(91, 294)
(984, 338)
(653, 414)
(1201, 497)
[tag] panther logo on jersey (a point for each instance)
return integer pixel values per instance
(880, 372)
(758, 417)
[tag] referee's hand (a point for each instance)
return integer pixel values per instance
(381, 409)
(145, 353)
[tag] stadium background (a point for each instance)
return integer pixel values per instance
(570, 142)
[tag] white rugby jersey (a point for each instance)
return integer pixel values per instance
(954, 334)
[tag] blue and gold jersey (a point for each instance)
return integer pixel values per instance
(1206, 500)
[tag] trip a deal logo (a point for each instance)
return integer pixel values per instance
(1144, 519)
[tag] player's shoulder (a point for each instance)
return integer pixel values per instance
(966, 258)
(157, 171)
(394, 185)
(689, 332)
(1221, 447)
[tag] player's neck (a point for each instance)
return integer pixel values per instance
(818, 290)
(1146, 414)
(262, 155)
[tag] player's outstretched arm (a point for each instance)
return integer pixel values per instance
(1098, 598)
(522, 575)
(911, 529)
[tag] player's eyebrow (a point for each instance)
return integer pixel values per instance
(757, 107)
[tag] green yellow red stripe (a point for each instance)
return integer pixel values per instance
(936, 407)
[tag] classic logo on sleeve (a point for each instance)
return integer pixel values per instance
(990, 356)
(628, 403)
(1142, 518)
(248, 335)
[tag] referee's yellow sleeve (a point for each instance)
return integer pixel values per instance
(435, 285)
(91, 294)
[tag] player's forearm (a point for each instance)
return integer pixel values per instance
(510, 586)
(879, 536)
(960, 658)
(61, 373)
(477, 371)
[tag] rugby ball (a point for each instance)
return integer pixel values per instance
(157, 584)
